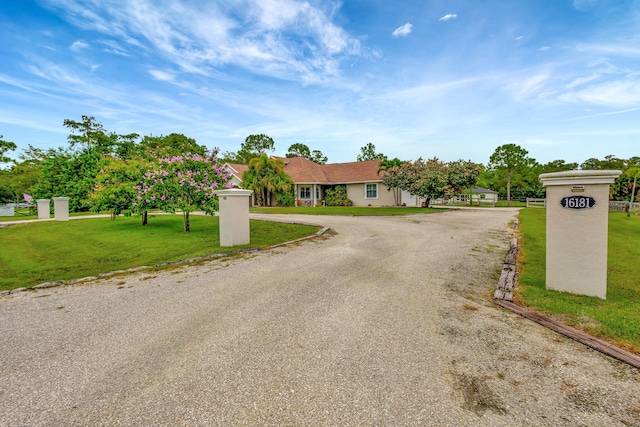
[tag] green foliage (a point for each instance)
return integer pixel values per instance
(49, 251)
(286, 198)
(392, 177)
(114, 185)
(337, 196)
(174, 144)
(301, 150)
(70, 174)
(368, 152)
(618, 317)
(253, 146)
(266, 177)
(4, 147)
(511, 160)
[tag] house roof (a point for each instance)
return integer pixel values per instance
(237, 169)
(477, 190)
(304, 171)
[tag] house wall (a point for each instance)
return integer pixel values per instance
(235, 181)
(356, 192)
(410, 200)
(488, 197)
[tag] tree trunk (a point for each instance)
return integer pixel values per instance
(397, 195)
(509, 189)
(633, 193)
(187, 226)
(145, 219)
(113, 215)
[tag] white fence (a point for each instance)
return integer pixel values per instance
(536, 203)
(623, 206)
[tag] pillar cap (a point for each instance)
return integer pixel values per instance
(580, 177)
(60, 198)
(233, 192)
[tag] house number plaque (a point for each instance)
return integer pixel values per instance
(577, 202)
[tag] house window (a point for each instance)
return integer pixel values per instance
(305, 193)
(318, 193)
(371, 191)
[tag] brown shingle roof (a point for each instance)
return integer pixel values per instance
(305, 171)
(238, 169)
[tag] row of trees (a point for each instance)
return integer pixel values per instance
(512, 173)
(98, 168)
(102, 170)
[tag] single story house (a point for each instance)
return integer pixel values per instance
(361, 179)
(484, 195)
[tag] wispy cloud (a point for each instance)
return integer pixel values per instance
(621, 93)
(403, 30)
(285, 39)
(79, 45)
(530, 87)
(162, 75)
(608, 113)
(448, 17)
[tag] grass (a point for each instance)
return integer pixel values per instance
(59, 250)
(347, 210)
(24, 217)
(616, 319)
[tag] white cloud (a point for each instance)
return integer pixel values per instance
(448, 16)
(402, 31)
(162, 75)
(78, 45)
(530, 87)
(544, 48)
(285, 39)
(622, 93)
(520, 38)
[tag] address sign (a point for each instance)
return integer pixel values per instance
(577, 202)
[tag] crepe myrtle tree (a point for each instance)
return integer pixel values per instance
(186, 183)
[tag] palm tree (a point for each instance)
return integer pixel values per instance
(265, 176)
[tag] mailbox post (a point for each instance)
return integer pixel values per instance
(61, 208)
(43, 208)
(234, 216)
(577, 230)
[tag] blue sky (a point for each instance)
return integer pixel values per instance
(446, 78)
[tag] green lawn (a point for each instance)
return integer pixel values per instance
(54, 250)
(347, 210)
(617, 318)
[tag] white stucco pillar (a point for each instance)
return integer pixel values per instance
(577, 230)
(234, 216)
(61, 208)
(43, 208)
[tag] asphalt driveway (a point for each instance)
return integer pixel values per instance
(388, 321)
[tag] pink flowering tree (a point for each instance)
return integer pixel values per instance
(186, 183)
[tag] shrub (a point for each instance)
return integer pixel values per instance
(337, 196)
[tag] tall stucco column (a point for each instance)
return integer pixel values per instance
(577, 230)
(234, 216)
(43, 208)
(61, 208)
